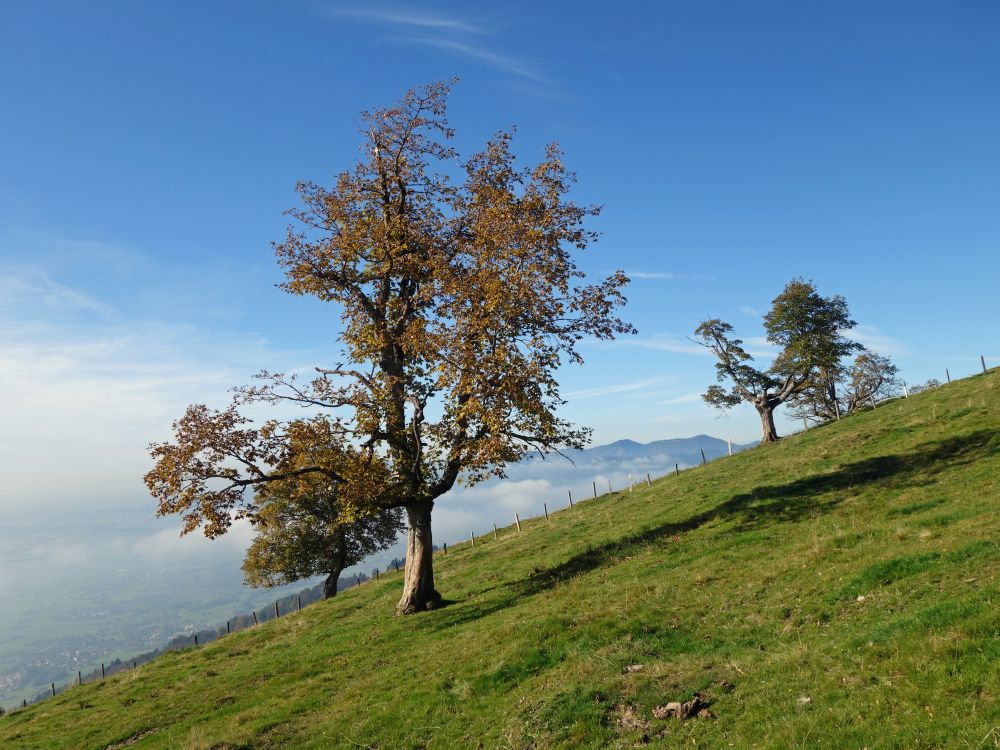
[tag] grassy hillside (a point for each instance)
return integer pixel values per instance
(836, 590)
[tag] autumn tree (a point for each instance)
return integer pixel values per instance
(459, 297)
(808, 328)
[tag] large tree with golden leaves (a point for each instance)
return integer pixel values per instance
(459, 297)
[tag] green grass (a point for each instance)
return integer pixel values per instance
(740, 580)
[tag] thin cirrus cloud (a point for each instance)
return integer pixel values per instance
(458, 36)
(609, 390)
(409, 17)
(666, 276)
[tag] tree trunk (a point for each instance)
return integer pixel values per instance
(330, 584)
(766, 412)
(418, 575)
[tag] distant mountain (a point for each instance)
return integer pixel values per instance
(682, 451)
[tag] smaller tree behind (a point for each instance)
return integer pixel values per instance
(304, 535)
(842, 390)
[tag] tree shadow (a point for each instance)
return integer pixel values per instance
(767, 504)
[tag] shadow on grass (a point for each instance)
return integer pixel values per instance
(768, 504)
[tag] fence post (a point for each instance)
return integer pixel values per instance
(703, 461)
(517, 521)
(570, 493)
(473, 540)
(276, 610)
(444, 546)
(299, 597)
(677, 470)
(79, 677)
(228, 630)
(609, 487)
(730, 441)
(495, 536)
(195, 639)
(254, 613)
(53, 690)
(595, 488)
(947, 374)
(630, 481)
(134, 664)
(649, 482)
(103, 675)
(982, 361)
(545, 509)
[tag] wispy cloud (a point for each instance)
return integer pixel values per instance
(26, 292)
(478, 52)
(751, 311)
(872, 338)
(608, 390)
(664, 343)
(665, 276)
(688, 398)
(458, 36)
(416, 18)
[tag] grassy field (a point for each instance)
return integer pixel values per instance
(836, 590)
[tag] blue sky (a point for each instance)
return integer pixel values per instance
(148, 150)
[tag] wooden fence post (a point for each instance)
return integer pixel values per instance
(595, 488)
(609, 487)
(195, 639)
(730, 441)
(103, 675)
(517, 521)
(649, 482)
(254, 613)
(495, 535)
(703, 461)
(570, 493)
(134, 666)
(443, 546)
(299, 597)
(79, 677)
(677, 470)
(982, 361)
(276, 610)
(228, 630)
(947, 374)
(53, 690)
(545, 509)
(473, 540)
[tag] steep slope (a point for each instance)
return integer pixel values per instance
(838, 589)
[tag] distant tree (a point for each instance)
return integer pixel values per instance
(809, 329)
(302, 535)
(843, 389)
(930, 384)
(459, 300)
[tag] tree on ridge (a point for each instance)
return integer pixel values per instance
(809, 329)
